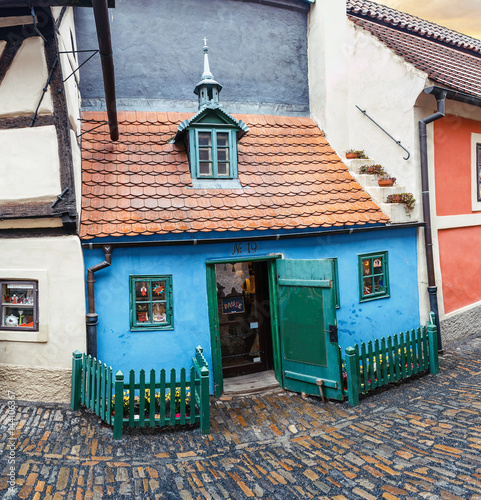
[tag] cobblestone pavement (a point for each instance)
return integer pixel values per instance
(420, 439)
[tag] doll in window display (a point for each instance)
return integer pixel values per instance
(158, 313)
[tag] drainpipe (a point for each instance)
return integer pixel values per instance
(92, 316)
(428, 237)
(101, 14)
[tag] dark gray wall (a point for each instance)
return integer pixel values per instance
(258, 52)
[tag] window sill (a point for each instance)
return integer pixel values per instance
(375, 297)
(216, 184)
(19, 336)
(151, 328)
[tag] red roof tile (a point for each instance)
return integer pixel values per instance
(408, 22)
(296, 181)
(448, 57)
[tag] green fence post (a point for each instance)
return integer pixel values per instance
(204, 401)
(76, 380)
(353, 377)
(433, 345)
(119, 405)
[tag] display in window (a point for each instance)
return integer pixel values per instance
(158, 289)
(142, 313)
(158, 313)
(142, 290)
(18, 305)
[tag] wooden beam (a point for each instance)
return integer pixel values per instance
(50, 3)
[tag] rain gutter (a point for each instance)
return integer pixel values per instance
(92, 316)
(259, 237)
(441, 95)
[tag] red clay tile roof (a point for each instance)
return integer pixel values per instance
(438, 51)
(141, 184)
(408, 22)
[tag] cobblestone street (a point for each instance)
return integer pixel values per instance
(420, 439)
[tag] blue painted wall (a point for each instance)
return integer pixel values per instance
(123, 349)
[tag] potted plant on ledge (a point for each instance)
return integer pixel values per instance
(355, 153)
(373, 170)
(386, 181)
(406, 198)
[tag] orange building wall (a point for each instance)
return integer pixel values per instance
(452, 160)
(459, 251)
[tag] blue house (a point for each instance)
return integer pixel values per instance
(245, 234)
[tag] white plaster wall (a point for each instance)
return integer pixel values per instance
(22, 86)
(359, 70)
(29, 166)
(61, 297)
(69, 63)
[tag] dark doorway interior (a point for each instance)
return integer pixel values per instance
(244, 317)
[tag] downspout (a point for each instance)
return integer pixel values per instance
(428, 237)
(92, 316)
(101, 14)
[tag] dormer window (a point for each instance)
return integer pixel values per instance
(211, 135)
(214, 153)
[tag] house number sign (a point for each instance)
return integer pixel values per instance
(249, 247)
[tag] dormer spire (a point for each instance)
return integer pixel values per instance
(207, 89)
(207, 75)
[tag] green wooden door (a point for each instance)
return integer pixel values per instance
(308, 329)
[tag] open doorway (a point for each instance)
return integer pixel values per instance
(243, 305)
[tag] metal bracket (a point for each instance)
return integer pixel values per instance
(387, 133)
(95, 51)
(44, 90)
(59, 197)
(333, 336)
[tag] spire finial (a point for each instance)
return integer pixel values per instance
(207, 75)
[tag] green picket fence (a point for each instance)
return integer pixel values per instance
(389, 360)
(156, 402)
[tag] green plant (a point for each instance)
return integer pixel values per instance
(359, 152)
(406, 198)
(373, 170)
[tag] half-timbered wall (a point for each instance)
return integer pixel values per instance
(39, 206)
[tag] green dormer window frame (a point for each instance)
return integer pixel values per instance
(213, 152)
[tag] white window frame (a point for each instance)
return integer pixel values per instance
(41, 277)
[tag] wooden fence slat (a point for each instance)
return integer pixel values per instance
(109, 395)
(371, 366)
(97, 387)
(402, 346)
(358, 364)
(182, 396)
(88, 384)
(397, 359)
(409, 370)
(152, 398)
(131, 398)
(162, 397)
(365, 366)
(377, 365)
(391, 358)
(425, 348)
(384, 357)
(172, 396)
(192, 395)
(419, 350)
(142, 398)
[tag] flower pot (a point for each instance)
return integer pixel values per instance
(351, 156)
(385, 182)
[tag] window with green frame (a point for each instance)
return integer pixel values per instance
(214, 153)
(373, 276)
(151, 305)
